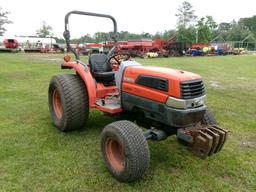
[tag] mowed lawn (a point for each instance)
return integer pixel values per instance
(35, 156)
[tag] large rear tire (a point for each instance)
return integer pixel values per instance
(68, 102)
(209, 118)
(125, 151)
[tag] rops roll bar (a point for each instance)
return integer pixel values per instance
(66, 33)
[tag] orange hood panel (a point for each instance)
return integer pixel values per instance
(164, 72)
(173, 76)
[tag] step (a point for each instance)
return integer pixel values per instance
(111, 106)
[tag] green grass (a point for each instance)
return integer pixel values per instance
(34, 156)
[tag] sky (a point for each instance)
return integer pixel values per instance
(135, 16)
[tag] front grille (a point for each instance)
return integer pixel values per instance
(192, 89)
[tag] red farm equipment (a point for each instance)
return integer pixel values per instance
(138, 47)
(9, 45)
(176, 48)
(135, 47)
(165, 101)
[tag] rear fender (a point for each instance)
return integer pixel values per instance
(85, 74)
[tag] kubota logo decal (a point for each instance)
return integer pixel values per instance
(129, 79)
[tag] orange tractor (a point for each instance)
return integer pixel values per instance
(163, 101)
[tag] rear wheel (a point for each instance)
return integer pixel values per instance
(125, 151)
(209, 118)
(68, 102)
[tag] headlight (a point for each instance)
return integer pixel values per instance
(186, 103)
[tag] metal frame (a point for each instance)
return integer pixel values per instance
(238, 44)
(66, 33)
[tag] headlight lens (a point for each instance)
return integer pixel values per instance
(186, 103)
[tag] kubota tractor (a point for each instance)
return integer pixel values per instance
(164, 101)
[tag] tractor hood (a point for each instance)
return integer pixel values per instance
(156, 83)
(164, 72)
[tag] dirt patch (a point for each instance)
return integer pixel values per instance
(46, 57)
(248, 144)
(215, 85)
(241, 78)
(53, 59)
(16, 75)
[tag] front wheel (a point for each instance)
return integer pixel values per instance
(208, 118)
(125, 151)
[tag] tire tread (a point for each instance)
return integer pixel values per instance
(137, 153)
(76, 102)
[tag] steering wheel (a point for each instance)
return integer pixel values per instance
(119, 57)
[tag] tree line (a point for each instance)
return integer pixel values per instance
(122, 36)
(189, 28)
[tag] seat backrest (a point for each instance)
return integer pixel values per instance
(99, 63)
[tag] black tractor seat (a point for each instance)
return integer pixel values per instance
(101, 68)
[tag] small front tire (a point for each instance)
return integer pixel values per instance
(208, 118)
(125, 151)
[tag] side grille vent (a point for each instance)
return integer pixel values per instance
(153, 82)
